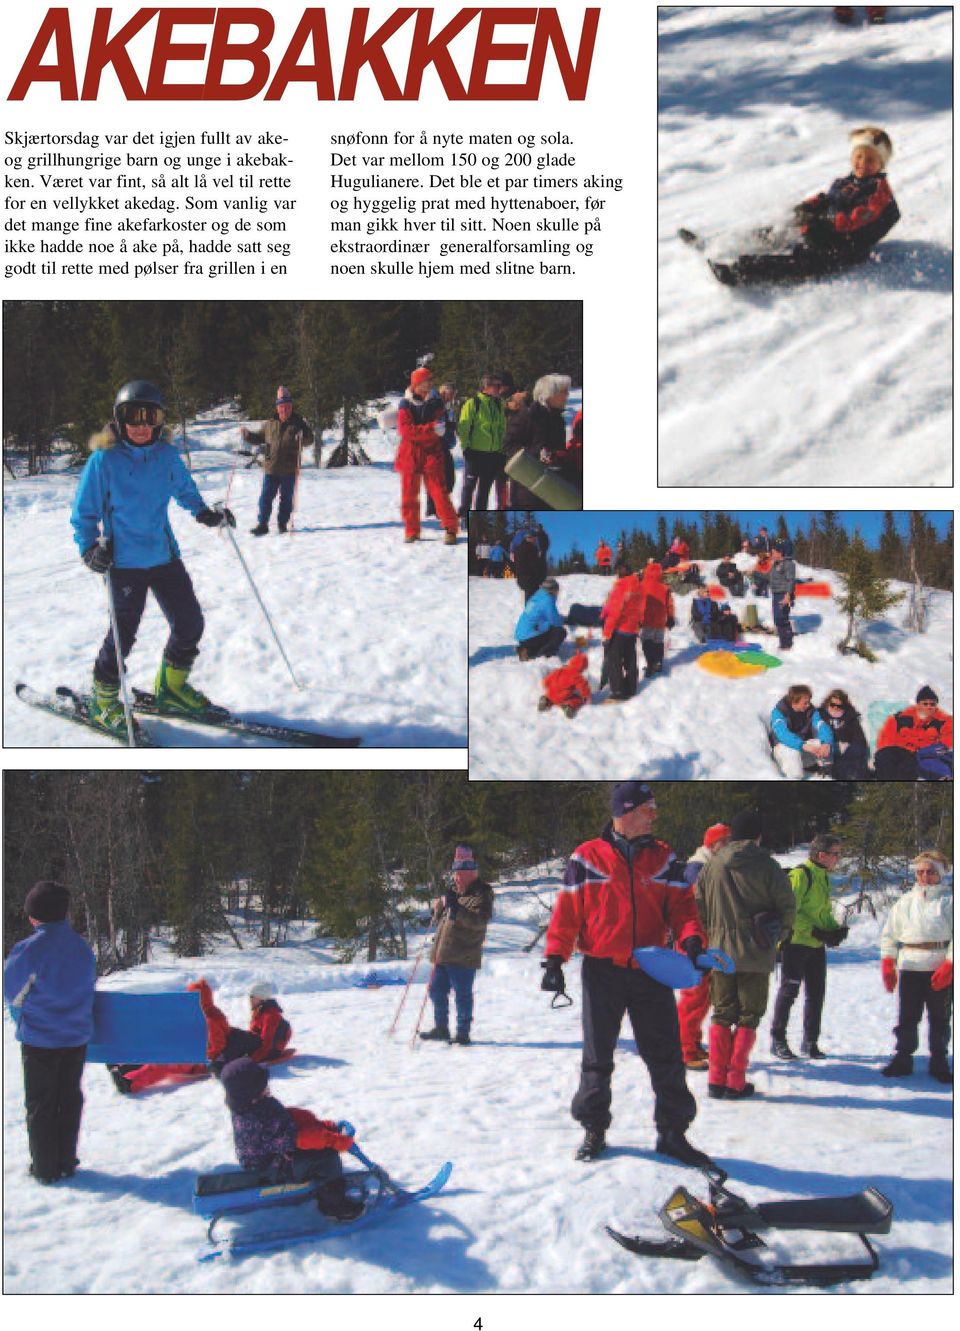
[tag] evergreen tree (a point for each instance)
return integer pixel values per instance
(865, 594)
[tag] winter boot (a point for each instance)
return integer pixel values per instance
(901, 1065)
(673, 1142)
(594, 1141)
(106, 710)
(462, 1037)
(940, 1069)
(333, 1201)
(738, 1088)
(697, 1062)
(281, 528)
(174, 694)
(449, 538)
(780, 1049)
(117, 1072)
(810, 1049)
(721, 1045)
(438, 1033)
(260, 529)
(410, 539)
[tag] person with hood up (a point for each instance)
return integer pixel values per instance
(48, 983)
(916, 743)
(622, 615)
(603, 557)
(463, 915)
(281, 442)
(747, 907)
(658, 617)
(422, 425)
(693, 1004)
(916, 951)
(567, 687)
(122, 529)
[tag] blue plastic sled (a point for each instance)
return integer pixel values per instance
(676, 970)
(147, 1028)
(377, 980)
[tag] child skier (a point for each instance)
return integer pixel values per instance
(268, 1036)
(422, 424)
(293, 1142)
(837, 229)
(916, 950)
(130, 477)
(567, 687)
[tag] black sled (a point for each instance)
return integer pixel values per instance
(726, 1228)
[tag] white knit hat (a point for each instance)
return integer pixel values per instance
(262, 989)
(871, 136)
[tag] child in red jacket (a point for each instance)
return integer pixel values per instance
(567, 687)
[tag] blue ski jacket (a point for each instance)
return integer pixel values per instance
(126, 491)
(793, 729)
(539, 614)
(48, 981)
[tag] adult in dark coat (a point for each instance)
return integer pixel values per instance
(530, 565)
(851, 752)
(540, 431)
(457, 953)
(282, 441)
(48, 981)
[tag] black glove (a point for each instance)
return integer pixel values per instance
(670, 621)
(450, 904)
(553, 981)
(98, 558)
(216, 517)
(832, 937)
(809, 209)
(693, 946)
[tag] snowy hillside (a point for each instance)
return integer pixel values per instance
(839, 381)
(686, 724)
(519, 1214)
(375, 629)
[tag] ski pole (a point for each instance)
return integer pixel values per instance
(296, 485)
(406, 989)
(111, 606)
(233, 472)
(426, 995)
(253, 587)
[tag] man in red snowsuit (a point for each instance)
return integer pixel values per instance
(422, 424)
(625, 890)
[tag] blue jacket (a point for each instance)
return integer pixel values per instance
(127, 491)
(48, 980)
(497, 554)
(539, 614)
(793, 729)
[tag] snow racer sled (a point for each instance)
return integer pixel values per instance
(725, 1227)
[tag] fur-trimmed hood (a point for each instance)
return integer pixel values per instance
(109, 437)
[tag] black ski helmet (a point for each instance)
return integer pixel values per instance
(139, 393)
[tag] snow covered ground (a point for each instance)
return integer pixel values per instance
(519, 1214)
(375, 629)
(686, 724)
(833, 382)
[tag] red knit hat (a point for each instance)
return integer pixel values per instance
(714, 834)
(420, 376)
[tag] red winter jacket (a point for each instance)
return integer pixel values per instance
(269, 1023)
(623, 611)
(315, 1134)
(606, 908)
(603, 555)
(903, 730)
(657, 598)
(417, 421)
(567, 686)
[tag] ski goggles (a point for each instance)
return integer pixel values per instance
(141, 413)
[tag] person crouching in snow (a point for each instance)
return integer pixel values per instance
(268, 1036)
(838, 228)
(130, 477)
(292, 1142)
(567, 687)
(422, 425)
(916, 951)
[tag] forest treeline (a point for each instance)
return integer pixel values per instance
(358, 853)
(823, 543)
(65, 360)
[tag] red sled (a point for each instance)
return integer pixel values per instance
(813, 589)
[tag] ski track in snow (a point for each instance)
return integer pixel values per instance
(519, 1214)
(840, 381)
(375, 629)
(686, 724)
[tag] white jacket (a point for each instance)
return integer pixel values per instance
(922, 915)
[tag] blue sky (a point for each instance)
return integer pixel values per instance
(585, 529)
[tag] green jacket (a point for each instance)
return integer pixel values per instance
(739, 882)
(483, 423)
(811, 887)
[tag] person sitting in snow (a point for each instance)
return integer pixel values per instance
(423, 427)
(730, 577)
(760, 577)
(704, 617)
(678, 553)
(131, 475)
(540, 628)
(916, 950)
(567, 687)
(802, 741)
(851, 752)
(917, 743)
(292, 1143)
(267, 1037)
(837, 228)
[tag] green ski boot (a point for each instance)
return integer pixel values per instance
(106, 709)
(177, 697)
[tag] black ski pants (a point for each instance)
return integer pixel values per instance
(915, 995)
(801, 263)
(620, 664)
(480, 470)
(171, 585)
(54, 1103)
(807, 966)
(608, 993)
(544, 644)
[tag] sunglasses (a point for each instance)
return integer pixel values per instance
(142, 413)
